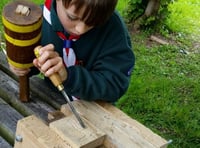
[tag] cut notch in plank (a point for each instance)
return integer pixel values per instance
(69, 129)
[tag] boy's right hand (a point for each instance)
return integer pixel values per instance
(19, 71)
(49, 62)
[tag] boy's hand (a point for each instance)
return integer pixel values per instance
(49, 62)
(19, 71)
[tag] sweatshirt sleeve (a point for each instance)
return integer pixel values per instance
(109, 75)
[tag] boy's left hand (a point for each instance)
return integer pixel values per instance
(19, 71)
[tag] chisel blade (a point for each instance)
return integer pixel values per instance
(73, 109)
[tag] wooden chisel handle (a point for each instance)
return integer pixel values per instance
(55, 78)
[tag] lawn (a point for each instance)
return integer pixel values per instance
(164, 91)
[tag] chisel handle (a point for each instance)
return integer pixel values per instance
(55, 78)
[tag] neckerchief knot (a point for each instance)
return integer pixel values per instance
(69, 56)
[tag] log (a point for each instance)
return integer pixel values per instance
(9, 92)
(48, 94)
(8, 121)
(37, 86)
(4, 65)
(4, 144)
(158, 40)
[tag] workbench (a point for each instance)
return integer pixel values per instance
(44, 101)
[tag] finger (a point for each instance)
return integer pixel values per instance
(36, 63)
(46, 55)
(19, 71)
(45, 52)
(49, 47)
(52, 66)
(22, 73)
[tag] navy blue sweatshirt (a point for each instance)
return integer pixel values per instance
(105, 57)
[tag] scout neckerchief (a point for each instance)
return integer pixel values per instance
(69, 56)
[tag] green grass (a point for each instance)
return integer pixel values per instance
(121, 5)
(164, 92)
(184, 16)
(165, 87)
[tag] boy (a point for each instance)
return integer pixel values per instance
(88, 45)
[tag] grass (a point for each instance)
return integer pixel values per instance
(164, 90)
(181, 12)
(121, 5)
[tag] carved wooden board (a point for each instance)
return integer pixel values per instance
(70, 130)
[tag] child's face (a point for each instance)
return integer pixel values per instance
(70, 20)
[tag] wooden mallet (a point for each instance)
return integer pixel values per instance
(22, 31)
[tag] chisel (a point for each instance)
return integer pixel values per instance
(55, 79)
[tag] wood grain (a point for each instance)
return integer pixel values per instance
(36, 134)
(70, 130)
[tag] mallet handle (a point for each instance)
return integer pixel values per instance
(24, 88)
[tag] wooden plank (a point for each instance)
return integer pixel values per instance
(119, 133)
(145, 132)
(36, 134)
(4, 143)
(70, 130)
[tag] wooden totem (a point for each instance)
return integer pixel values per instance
(22, 30)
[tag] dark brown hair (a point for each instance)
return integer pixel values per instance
(97, 12)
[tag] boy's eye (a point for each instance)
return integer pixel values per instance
(72, 18)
